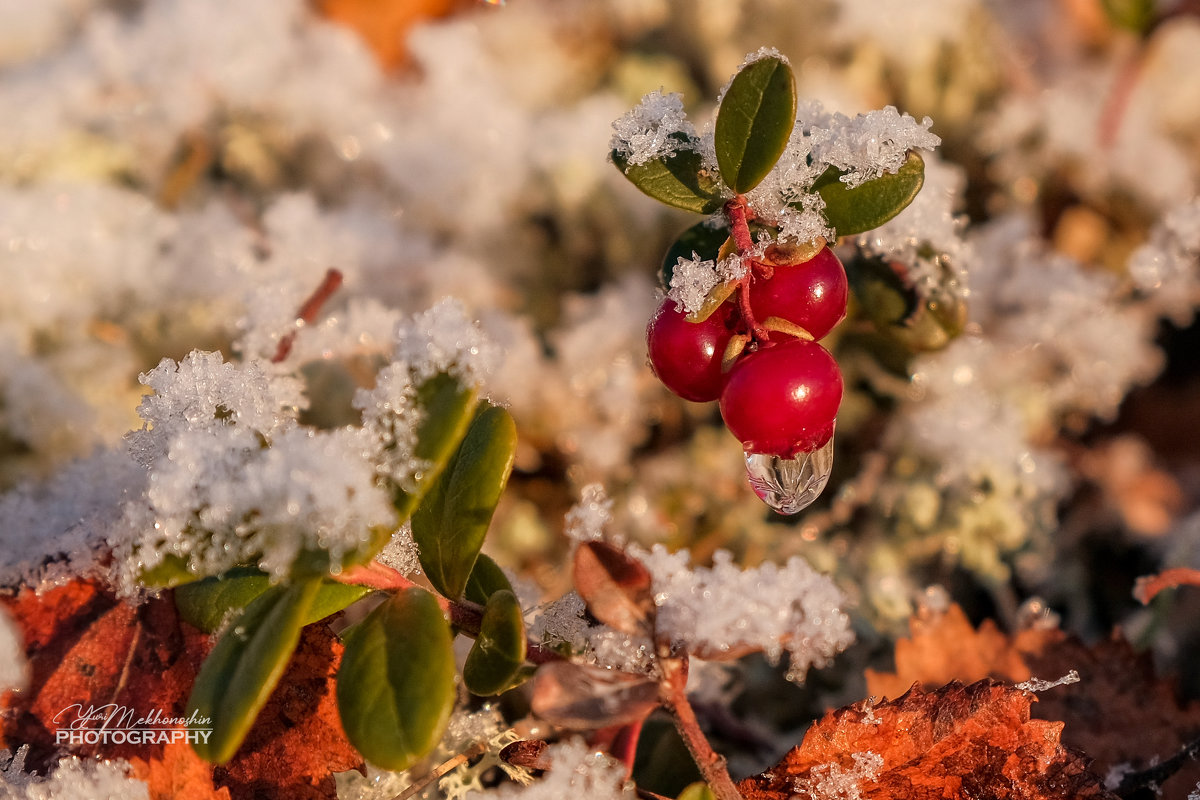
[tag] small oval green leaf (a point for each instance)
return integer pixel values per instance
(208, 603)
(244, 666)
(446, 407)
(486, 579)
(452, 521)
(701, 240)
(395, 686)
(499, 651)
(754, 122)
(874, 202)
(678, 180)
(171, 571)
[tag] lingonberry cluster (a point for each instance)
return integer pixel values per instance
(757, 351)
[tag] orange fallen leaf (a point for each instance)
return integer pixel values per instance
(384, 24)
(955, 742)
(945, 647)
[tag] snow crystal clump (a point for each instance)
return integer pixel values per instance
(443, 339)
(400, 553)
(72, 777)
(204, 393)
(576, 770)
(56, 531)
(233, 479)
(722, 611)
(652, 129)
(588, 518)
(692, 279)
(871, 144)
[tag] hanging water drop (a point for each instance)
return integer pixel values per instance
(789, 485)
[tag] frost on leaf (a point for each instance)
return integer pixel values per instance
(652, 129)
(957, 741)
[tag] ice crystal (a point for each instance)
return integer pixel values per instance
(444, 339)
(400, 553)
(721, 610)
(832, 782)
(587, 519)
(868, 145)
(1041, 685)
(204, 393)
(390, 415)
(74, 778)
(652, 129)
(692, 279)
(56, 530)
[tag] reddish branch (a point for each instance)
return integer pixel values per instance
(673, 695)
(1148, 586)
(308, 312)
(739, 225)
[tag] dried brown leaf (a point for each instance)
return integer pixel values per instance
(615, 587)
(583, 697)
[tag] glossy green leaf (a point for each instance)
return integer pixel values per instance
(486, 579)
(1137, 16)
(446, 406)
(678, 180)
(206, 604)
(697, 791)
(499, 650)
(452, 521)
(870, 204)
(754, 122)
(395, 686)
(244, 666)
(701, 240)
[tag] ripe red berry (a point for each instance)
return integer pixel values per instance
(686, 356)
(782, 399)
(811, 294)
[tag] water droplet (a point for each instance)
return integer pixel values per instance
(789, 485)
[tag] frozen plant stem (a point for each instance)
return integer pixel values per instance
(308, 312)
(739, 226)
(672, 692)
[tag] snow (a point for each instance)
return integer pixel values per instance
(652, 129)
(74, 778)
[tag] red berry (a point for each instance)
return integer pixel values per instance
(811, 294)
(686, 356)
(782, 399)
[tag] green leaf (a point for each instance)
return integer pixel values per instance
(452, 521)
(171, 571)
(208, 603)
(446, 406)
(499, 650)
(242, 670)
(872, 203)
(486, 579)
(1132, 15)
(697, 791)
(701, 240)
(395, 686)
(754, 122)
(678, 180)
(898, 313)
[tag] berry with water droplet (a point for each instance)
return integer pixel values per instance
(782, 399)
(811, 294)
(686, 356)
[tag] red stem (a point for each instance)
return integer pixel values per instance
(739, 227)
(673, 694)
(308, 312)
